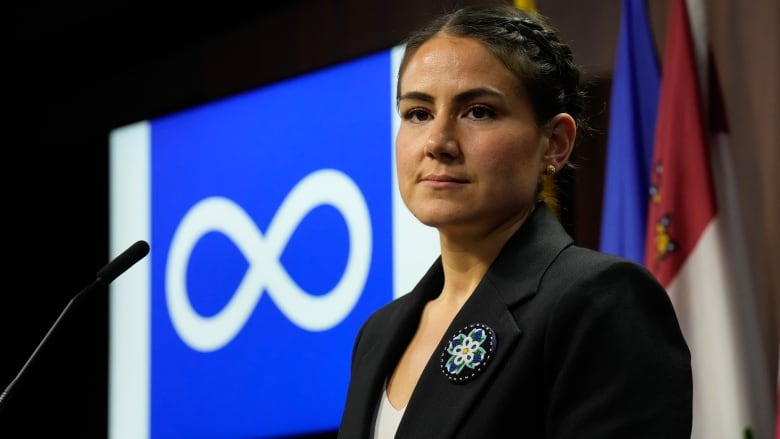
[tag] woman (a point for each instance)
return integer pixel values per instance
(513, 331)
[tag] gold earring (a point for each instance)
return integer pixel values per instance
(550, 170)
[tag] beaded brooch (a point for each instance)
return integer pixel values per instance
(468, 352)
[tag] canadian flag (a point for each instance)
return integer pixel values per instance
(689, 250)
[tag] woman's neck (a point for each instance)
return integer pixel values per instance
(466, 257)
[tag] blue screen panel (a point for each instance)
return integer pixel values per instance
(271, 224)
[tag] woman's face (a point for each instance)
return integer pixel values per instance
(469, 152)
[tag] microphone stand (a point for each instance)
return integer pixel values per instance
(4, 397)
(105, 276)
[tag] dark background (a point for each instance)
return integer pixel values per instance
(75, 72)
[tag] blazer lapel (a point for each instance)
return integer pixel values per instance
(379, 361)
(437, 403)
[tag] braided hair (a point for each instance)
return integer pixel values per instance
(530, 47)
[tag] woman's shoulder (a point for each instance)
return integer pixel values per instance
(587, 260)
(382, 321)
(385, 315)
(396, 306)
(581, 273)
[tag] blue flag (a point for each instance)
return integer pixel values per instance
(633, 111)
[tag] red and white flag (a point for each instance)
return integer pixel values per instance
(689, 250)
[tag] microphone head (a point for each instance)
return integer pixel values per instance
(121, 263)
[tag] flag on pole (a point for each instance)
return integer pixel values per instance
(686, 248)
(632, 118)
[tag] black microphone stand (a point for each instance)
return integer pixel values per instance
(105, 276)
(4, 397)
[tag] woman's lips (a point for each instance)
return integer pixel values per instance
(442, 180)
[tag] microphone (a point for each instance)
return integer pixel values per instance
(121, 263)
(104, 276)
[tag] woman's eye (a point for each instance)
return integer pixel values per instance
(481, 112)
(417, 115)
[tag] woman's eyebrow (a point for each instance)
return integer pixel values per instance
(470, 95)
(416, 96)
(460, 98)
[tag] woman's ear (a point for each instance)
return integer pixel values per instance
(561, 132)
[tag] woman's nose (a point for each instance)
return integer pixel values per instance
(442, 143)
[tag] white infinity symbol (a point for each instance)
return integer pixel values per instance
(313, 313)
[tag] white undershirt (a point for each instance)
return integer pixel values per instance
(387, 419)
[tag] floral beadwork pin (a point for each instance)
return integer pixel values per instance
(468, 352)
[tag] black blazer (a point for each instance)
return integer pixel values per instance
(587, 346)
